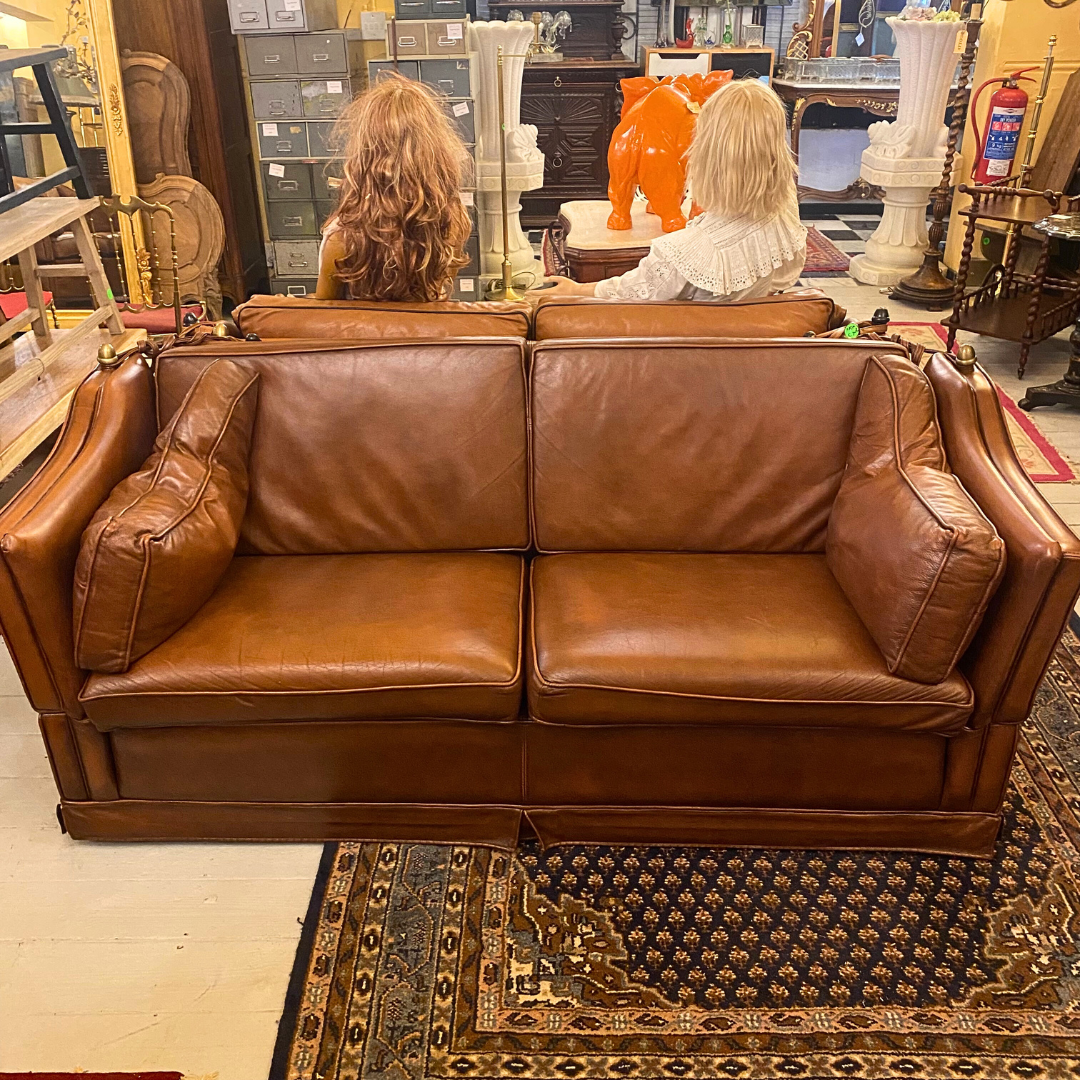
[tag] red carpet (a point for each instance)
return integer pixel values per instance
(1041, 460)
(823, 256)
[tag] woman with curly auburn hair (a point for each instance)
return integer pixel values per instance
(400, 227)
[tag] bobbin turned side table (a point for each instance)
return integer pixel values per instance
(1066, 391)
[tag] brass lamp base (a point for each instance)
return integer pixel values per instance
(927, 288)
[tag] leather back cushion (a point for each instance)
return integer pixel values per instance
(156, 549)
(915, 556)
(691, 446)
(791, 314)
(363, 320)
(377, 447)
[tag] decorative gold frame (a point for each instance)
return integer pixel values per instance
(117, 137)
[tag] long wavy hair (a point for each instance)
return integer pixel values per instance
(399, 213)
(739, 161)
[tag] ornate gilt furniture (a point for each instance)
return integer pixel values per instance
(1023, 307)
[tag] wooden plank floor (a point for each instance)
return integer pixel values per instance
(130, 957)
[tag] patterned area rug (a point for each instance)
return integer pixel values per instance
(423, 962)
(822, 255)
(1042, 462)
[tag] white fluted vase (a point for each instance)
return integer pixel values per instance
(524, 161)
(906, 156)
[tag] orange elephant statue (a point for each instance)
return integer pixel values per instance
(648, 149)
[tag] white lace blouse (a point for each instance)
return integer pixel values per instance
(716, 258)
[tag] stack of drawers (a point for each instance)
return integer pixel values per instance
(436, 51)
(297, 85)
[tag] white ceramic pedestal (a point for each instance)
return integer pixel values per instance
(906, 156)
(524, 162)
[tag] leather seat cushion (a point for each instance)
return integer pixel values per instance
(634, 638)
(300, 637)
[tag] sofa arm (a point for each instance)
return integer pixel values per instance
(1008, 657)
(109, 432)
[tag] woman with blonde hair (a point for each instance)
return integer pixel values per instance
(400, 227)
(748, 240)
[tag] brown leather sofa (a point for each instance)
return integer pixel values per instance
(389, 656)
(792, 314)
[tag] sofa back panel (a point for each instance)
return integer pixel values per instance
(364, 320)
(410, 447)
(691, 446)
(791, 314)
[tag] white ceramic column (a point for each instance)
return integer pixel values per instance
(524, 162)
(906, 156)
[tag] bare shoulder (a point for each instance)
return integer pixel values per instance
(331, 250)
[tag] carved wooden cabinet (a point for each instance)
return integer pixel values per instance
(575, 105)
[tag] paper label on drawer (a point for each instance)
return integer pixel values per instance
(333, 86)
(466, 285)
(467, 198)
(276, 170)
(291, 5)
(455, 31)
(461, 109)
(270, 129)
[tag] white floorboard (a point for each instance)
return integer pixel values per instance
(135, 957)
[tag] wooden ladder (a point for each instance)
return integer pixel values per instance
(39, 374)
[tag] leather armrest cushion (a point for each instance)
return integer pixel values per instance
(158, 546)
(917, 559)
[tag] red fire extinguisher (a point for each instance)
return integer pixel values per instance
(994, 154)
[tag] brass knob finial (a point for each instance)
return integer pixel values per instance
(107, 357)
(221, 330)
(965, 357)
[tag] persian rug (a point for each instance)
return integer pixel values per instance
(429, 962)
(822, 255)
(1042, 462)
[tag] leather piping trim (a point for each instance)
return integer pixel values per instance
(950, 530)
(547, 685)
(75, 454)
(84, 696)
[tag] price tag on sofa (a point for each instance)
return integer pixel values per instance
(461, 108)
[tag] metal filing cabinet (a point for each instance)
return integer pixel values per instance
(270, 55)
(463, 118)
(279, 98)
(296, 258)
(472, 249)
(321, 139)
(287, 180)
(446, 37)
(448, 8)
(412, 9)
(323, 177)
(377, 69)
(449, 77)
(324, 97)
(292, 220)
(283, 139)
(294, 286)
(281, 16)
